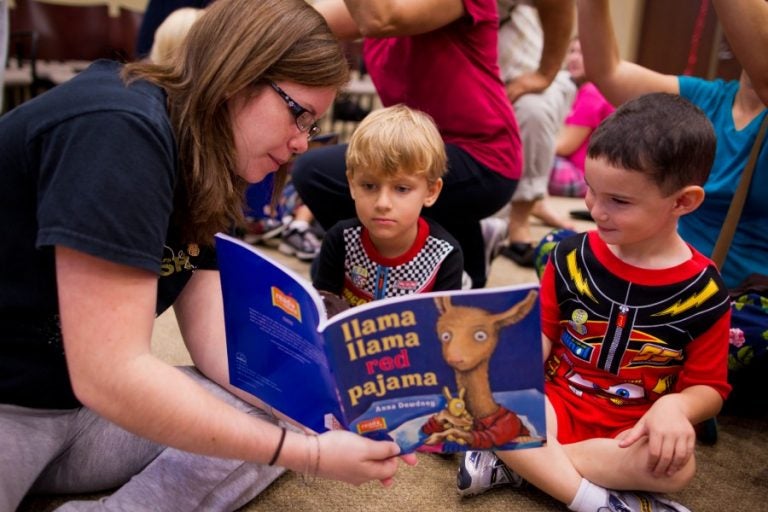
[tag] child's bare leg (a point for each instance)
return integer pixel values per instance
(544, 212)
(559, 470)
(549, 467)
(604, 463)
(302, 212)
(519, 227)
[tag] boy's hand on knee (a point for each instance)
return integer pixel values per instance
(670, 437)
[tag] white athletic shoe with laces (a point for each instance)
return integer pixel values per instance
(482, 471)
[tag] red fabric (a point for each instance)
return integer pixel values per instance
(498, 429)
(452, 74)
(591, 402)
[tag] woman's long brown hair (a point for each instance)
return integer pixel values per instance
(234, 45)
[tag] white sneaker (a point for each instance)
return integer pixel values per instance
(630, 501)
(495, 232)
(482, 471)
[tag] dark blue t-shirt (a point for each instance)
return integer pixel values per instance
(90, 165)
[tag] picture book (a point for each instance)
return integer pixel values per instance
(444, 371)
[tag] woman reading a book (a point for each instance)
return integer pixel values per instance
(112, 187)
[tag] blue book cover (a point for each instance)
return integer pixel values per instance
(441, 371)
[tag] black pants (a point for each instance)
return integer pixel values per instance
(471, 192)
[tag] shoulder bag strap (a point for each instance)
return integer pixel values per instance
(720, 252)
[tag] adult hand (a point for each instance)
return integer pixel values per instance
(356, 460)
(525, 84)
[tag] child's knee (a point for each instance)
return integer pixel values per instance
(677, 481)
(681, 478)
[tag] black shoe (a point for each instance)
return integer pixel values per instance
(706, 431)
(581, 215)
(519, 252)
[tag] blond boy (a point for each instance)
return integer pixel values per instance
(395, 163)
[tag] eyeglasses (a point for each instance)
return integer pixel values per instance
(304, 118)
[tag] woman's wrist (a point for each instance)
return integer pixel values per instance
(279, 448)
(313, 459)
(300, 452)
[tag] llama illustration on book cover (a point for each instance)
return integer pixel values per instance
(427, 373)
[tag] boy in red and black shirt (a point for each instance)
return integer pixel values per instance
(635, 324)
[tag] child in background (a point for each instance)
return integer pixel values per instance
(395, 163)
(587, 112)
(171, 34)
(635, 325)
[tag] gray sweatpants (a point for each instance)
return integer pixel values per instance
(540, 118)
(76, 451)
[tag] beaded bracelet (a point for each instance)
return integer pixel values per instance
(279, 447)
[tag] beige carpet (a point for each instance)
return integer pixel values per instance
(732, 476)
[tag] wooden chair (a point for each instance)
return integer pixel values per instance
(22, 81)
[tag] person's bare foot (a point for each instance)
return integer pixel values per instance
(544, 213)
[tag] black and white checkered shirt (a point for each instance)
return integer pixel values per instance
(351, 267)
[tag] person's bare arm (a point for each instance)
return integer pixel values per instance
(107, 314)
(570, 138)
(668, 425)
(745, 24)
(338, 18)
(385, 18)
(557, 19)
(546, 347)
(617, 79)
(345, 456)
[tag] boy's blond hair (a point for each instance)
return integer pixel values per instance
(396, 140)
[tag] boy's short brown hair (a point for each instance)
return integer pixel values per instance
(662, 135)
(397, 139)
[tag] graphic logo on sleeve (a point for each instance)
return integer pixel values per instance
(178, 261)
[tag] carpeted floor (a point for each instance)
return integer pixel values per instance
(732, 476)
